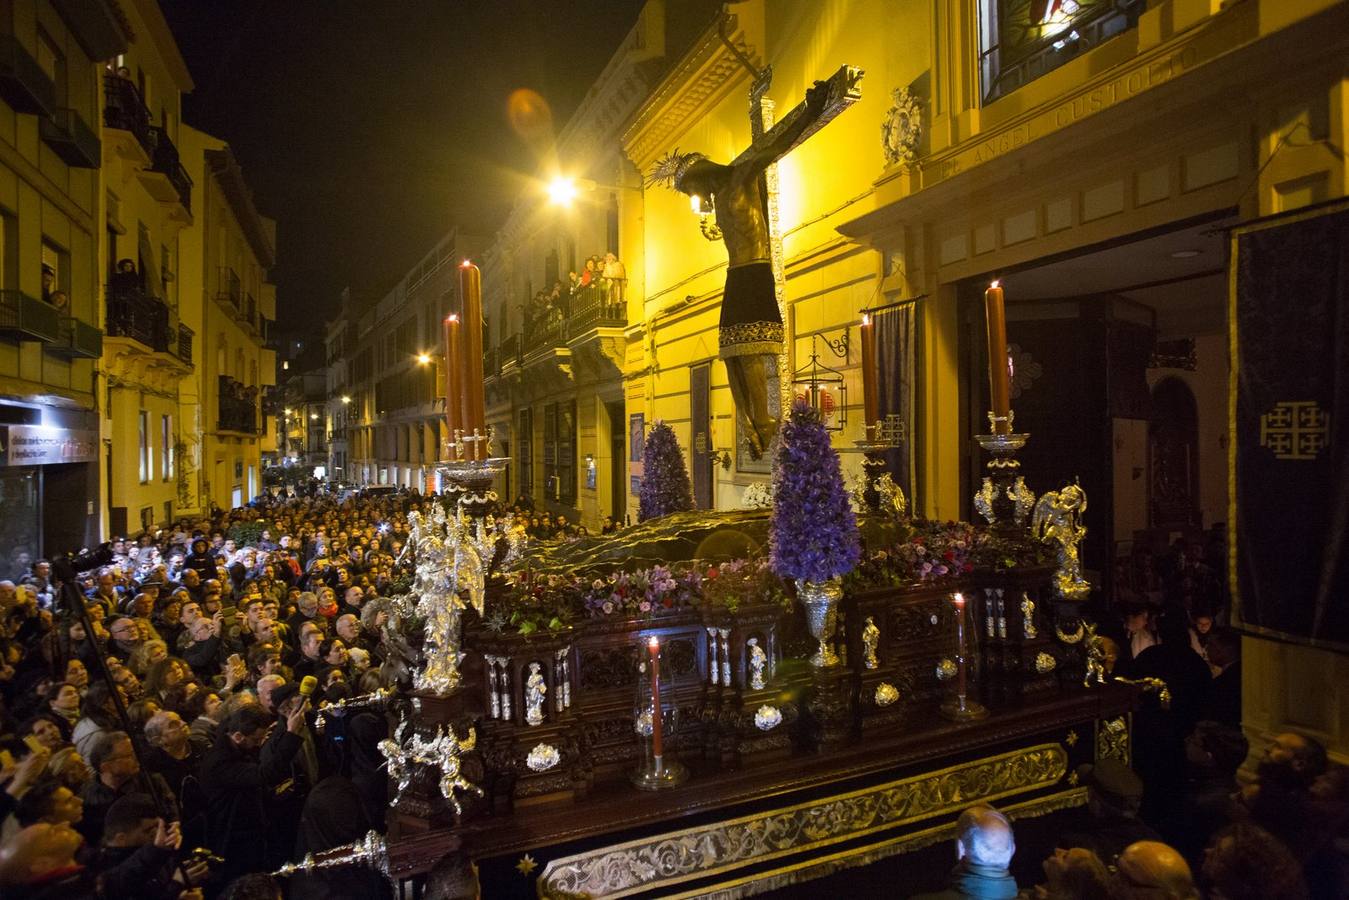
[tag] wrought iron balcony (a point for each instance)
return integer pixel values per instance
(588, 308)
(124, 110)
(77, 340)
(28, 318)
(137, 315)
(231, 288)
(23, 83)
(237, 407)
(165, 161)
(596, 306)
(71, 139)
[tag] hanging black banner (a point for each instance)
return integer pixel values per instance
(1290, 476)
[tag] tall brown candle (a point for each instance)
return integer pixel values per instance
(470, 293)
(454, 401)
(997, 358)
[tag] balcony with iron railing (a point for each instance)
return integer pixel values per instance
(27, 318)
(587, 308)
(237, 407)
(231, 288)
(124, 110)
(23, 83)
(71, 139)
(136, 315)
(166, 179)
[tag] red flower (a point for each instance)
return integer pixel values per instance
(668, 602)
(949, 556)
(712, 572)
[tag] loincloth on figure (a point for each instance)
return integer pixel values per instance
(750, 322)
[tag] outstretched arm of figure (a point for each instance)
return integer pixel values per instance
(824, 100)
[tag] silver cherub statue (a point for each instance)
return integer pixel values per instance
(758, 661)
(1058, 521)
(534, 692)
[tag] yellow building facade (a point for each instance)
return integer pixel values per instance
(148, 350)
(1091, 160)
(50, 274)
(226, 256)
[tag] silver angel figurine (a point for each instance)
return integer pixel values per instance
(534, 692)
(758, 661)
(871, 638)
(1058, 521)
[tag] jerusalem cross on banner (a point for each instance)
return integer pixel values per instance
(1290, 478)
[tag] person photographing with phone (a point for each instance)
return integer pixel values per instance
(251, 761)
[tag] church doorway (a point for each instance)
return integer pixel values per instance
(1119, 374)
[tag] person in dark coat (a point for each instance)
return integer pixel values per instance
(201, 559)
(238, 777)
(333, 816)
(984, 848)
(1159, 733)
(1224, 697)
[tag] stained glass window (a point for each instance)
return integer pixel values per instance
(1023, 39)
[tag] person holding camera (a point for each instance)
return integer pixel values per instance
(139, 855)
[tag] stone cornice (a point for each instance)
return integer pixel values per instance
(691, 88)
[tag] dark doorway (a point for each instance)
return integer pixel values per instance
(618, 501)
(1173, 456)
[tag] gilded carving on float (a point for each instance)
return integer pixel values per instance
(658, 862)
(886, 694)
(1112, 739)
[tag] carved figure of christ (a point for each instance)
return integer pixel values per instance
(750, 331)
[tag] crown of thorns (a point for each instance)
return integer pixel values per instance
(670, 169)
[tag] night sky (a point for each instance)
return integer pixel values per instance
(368, 128)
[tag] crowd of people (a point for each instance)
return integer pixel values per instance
(603, 276)
(200, 766)
(196, 765)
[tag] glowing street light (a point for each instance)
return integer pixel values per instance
(346, 399)
(423, 359)
(563, 191)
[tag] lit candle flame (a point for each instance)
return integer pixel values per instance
(958, 599)
(452, 317)
(653, 642)
(866, 319)
(996, 283)
(465, 264)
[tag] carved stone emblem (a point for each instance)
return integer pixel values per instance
(902, 128)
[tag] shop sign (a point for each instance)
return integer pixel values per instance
(44, 445)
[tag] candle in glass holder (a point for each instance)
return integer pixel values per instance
(870, 404)
(959, 601)
(998, 388)
(657, 750)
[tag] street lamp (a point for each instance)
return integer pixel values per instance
(423, 359)
(346, 399)
(563, 191)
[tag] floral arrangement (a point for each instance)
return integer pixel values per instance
(932, 551)
(643, 593)
(552, 602)
(758, 495)
(665, 480)
(814, 531)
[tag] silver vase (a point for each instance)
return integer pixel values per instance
(820, 599)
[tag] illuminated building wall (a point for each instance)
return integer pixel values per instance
(226, 255)
(147, 202)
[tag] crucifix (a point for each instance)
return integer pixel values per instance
(742, 195)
